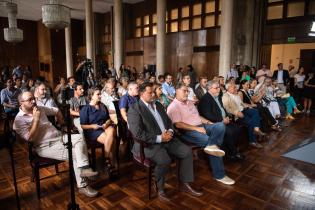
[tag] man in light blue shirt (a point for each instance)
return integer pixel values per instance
(168, 88)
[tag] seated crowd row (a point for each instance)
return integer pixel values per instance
(166, 117)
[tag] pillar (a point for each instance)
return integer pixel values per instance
(226, 36)
(118, 37)
(89, 31)
(160, 37)
(68, 41)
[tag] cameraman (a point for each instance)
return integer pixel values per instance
(88, 75)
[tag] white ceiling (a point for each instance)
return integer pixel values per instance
(31, 9)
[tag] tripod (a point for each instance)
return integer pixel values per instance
(8, 140)
(66, 111)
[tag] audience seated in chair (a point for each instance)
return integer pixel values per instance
(210, 107)
(31, 124)
(98, 127)
(200, 131)
(149, 123)
(128, 99)
(9, 98)
(201, 89)
(243, 113)
(76, 102)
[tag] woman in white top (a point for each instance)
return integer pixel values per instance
(299, 78)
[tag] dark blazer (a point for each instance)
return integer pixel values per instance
(199, 92)
(209, 109)
(286, 76)
(144, 127)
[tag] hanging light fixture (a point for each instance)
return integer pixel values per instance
(55, 15)
(12, 34)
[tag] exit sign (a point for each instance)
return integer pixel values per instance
(291, 39)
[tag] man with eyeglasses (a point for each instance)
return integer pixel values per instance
(32, 124)
(211, 107)
(199, 131)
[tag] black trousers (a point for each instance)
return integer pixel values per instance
(162, 159)
(232, 132)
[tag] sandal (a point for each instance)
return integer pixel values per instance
(111, 170)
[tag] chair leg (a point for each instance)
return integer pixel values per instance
(56, 169)
(149, 182)
(33, 177)
(103, 156)
(178, 172)
(37, 180)
(93, 158)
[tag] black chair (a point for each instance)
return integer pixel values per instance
(93, 145)
(142, 161)
(37, 162)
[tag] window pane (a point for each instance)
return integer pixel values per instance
(106, 29)
(311, 9)
(154, 30)
(154, 18)
(146, 20)
(210, 6)
(185, 25)
(209, 20)
(196, 24)
(174, 14)
(275, 12)
(220, 5)
(146, 31)
(270, 1)
(295, 9)
(197, 9)
(166, 28)
(166, 16)
(138, 21)
(138, 32)
(174, 26)
(185, 11)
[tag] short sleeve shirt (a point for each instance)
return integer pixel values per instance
(75, 103)
(90, 115)
(185, 112)
(126, 101)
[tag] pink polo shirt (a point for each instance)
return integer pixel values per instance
(185, 112)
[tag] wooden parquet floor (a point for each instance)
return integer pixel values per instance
(265, 180)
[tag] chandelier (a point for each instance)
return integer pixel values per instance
(12, 34)
(55, 15)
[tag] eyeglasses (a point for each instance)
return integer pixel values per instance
(215, 87)
(29, 100)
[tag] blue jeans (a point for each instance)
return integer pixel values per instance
(251, 119)
(214, 136)
(290, 104)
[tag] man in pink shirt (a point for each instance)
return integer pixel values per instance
(32, 124)
(200, 131)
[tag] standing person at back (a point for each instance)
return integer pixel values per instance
(282, 77)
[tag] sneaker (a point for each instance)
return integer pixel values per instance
(214, 150)
(289, 117)
(308, 111)
(226, 180)
(88, 191)
(88, 172)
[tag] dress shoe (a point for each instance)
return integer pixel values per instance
(214, 150)
(237, 156)
(162, 196)
(185, 187)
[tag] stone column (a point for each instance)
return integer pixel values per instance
(89, 31)
(160, 37)
(118, 35)
(68, 41)
(226, 36)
